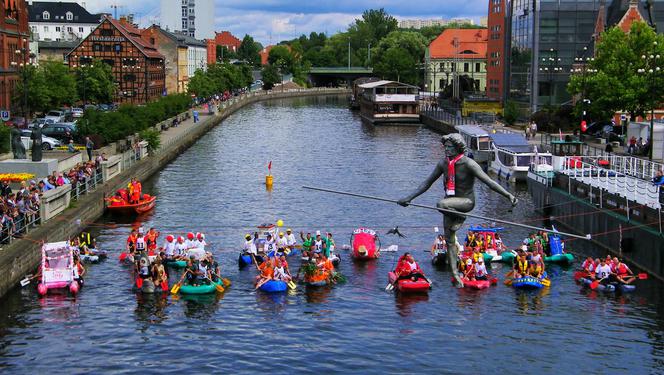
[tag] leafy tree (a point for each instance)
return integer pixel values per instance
(200, 85)
(282, 57)
(60, 83)
(224, 54)
(271, 76)
(38, 95)
(510, 112)
(617, 85)
(249, 51)
(95, 83)
(397, 56)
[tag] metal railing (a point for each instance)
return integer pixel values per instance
(611, 181)
(87, 185)
(442, 115)
(18, 227)
(639, 168)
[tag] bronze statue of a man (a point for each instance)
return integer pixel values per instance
(460, 173)
(36, 137)
(17, 145)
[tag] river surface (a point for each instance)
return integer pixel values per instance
(216, 187)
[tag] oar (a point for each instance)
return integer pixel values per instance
(218, 287)
(176, 288)
(586, 237)
(546, 282)
(27, 279)
(291, 285)
(595, 283)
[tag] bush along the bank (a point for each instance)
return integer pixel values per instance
(130, 119)
(151, 136)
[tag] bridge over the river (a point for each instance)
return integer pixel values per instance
(324, 76)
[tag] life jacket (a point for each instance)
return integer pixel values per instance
(522, 267)
(85, 238)
(476, 257)
(267, 270)
(622, 270)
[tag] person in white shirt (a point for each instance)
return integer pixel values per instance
(280, 272)
(480, 270)
(180, 248)
(290, 238)
(270, 245)
(603, 271)
(282, 243)
(439, 245)
(169, 247)
(189, 242)
(249, 246)
(200, 241)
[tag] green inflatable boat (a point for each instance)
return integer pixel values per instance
(560, 258)
(200, 289)
(178, 264)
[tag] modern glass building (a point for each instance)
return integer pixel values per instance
(544, 38)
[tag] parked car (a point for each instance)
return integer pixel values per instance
(59, 131)
(48, 143)
(76, 112)
(17, 121)
(90, 106)
(40, 122)
(56, 116)
(597, 127)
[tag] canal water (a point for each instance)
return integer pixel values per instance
(216, 187)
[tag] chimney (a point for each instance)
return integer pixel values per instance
(82, 4)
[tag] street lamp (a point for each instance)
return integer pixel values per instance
(652, 70)
(25, 54)
(581, 67)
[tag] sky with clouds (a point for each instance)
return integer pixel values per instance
(275, 20)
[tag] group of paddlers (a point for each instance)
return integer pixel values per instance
(149, 259)
(608, 270)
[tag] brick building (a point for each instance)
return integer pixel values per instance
(14, 49)
(495, 67)
(138, 68)
(228, 40)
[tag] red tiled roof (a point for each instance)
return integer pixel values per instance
(472, 44)
(133, 34)
(632, 15)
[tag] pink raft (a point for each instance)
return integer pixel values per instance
(57, 268)
(365, 244)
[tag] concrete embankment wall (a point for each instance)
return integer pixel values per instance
(642, 244)
(436, 125)
(22, 256)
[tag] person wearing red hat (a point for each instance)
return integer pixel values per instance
(180, 248)
(169, 248)
(190, 240)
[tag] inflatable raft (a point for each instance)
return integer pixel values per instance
(409, 286)
(89, 258)
(177, 264)
(439, 259)
(565, 258)
(274, 286)
(199, 289)
(527, 282)
(475, 284)
(608, 288)
(244, 260)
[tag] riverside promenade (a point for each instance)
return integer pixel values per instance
(22, 255)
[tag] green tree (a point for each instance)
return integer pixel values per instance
(397, 56)
(282, 57)
(510, 112)
(95, 83)
(249, 51)
(224, 54)
(615, 83)
(200, 85)
(271, 76)
(38, 95)
(60, 83)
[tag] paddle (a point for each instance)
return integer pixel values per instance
(546, 282)
(218, 287)
(27, 279)
(176, 287)
(263, 281)
(291, 285)
(595, 283)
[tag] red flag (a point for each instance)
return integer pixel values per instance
(269, 166)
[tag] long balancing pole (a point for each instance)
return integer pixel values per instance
(586, 237)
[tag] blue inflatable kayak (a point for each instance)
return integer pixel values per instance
(527, 282)
(274, 286)
(608, 288)
(244, 260)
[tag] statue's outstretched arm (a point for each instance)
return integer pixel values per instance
(482, 176)
(425, 185)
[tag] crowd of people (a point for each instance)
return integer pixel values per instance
(608, 270)
(201, 267)
(19, 209)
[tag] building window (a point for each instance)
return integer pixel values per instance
(477, 67)
(70, 16)
(130, 77)
(97, 47)
(106, 32)
(45, 29)
(70, 29)
(109, 62)
(118, 48)
(57, 29)
(46, 15)
(33, 28)
(80, 29)
(466, 67)
(108, 48)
